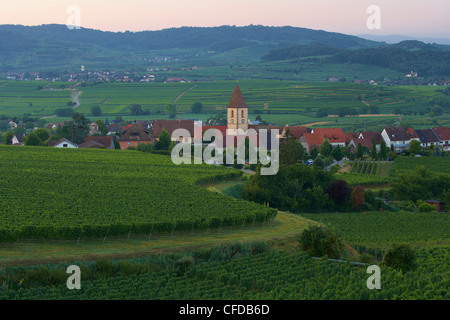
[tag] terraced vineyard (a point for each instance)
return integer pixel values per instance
(67, 194)
(364, 173)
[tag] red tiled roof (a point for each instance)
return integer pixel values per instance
(334, 135)
(443, 133)
(237, 100)
(171, 126)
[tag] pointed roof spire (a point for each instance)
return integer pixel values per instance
(237, 100)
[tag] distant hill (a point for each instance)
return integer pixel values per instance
(429, 60)
(395, 38)
(55, 46)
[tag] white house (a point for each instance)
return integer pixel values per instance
(399, 137)
(63, 143)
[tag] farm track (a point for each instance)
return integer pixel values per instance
(38, 252)
(182, 93)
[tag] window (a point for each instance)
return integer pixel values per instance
(232, 113)
(242, 113)
(65, 145)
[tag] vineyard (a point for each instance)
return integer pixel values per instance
(435, 164)
(381, 229)
(68, 194)
(365, 173)
(268, 275)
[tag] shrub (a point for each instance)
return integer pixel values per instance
(425, 207)
(401, 257)
(320, 241)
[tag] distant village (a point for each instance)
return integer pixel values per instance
(119, 135)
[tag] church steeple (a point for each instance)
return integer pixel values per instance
(237, 100)
(237, 112)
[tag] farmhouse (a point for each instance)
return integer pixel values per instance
(172, 125)
(134, 136)
(399, 137)
(427, 137)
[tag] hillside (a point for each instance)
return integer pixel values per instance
(429, 60)
(57, 47)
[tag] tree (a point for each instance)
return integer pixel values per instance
(96, 111)
(135, 109)
(383, 150)
(4, 125)
(326, 148)
(118, 117)
(320, 241)
(32, 140)
(102, 127)
(42, 134)
(415, 147)
(373, 153)
(357, 197)
(171, 109)
(77, 129)
(314, 153)
(337, 153)
(437, 110)
(7, 137)
(338, 191)
(197, 107)
(401, 257)
(359, 151)
(145, 147)
(164, 141)
(291, 150)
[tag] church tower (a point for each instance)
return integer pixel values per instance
(237, 113)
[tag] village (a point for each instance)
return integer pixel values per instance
(116, 135)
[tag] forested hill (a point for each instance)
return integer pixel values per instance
(214, 38)
(426, 59)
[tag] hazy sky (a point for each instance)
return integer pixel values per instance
(406, 17)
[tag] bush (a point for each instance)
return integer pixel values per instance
(319, 241)
(425, 207)
(401, 257)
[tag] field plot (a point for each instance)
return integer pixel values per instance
(67, 194)
(18, 98)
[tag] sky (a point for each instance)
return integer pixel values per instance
(418, 18)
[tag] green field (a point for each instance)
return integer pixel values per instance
(278, 102)
(64, 194)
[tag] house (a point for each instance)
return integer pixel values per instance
(134, 136)
(443, 133)
(63, 143)
(93, 128)
(399, 137)
(17, 139)
(114, 129)
(172, 125)
(334, 135)
(98, 142)
(412, 74)
(427, 137)
(12, 124)
(366, 139)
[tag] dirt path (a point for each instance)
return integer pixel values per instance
(74, 99)
(182, 93)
